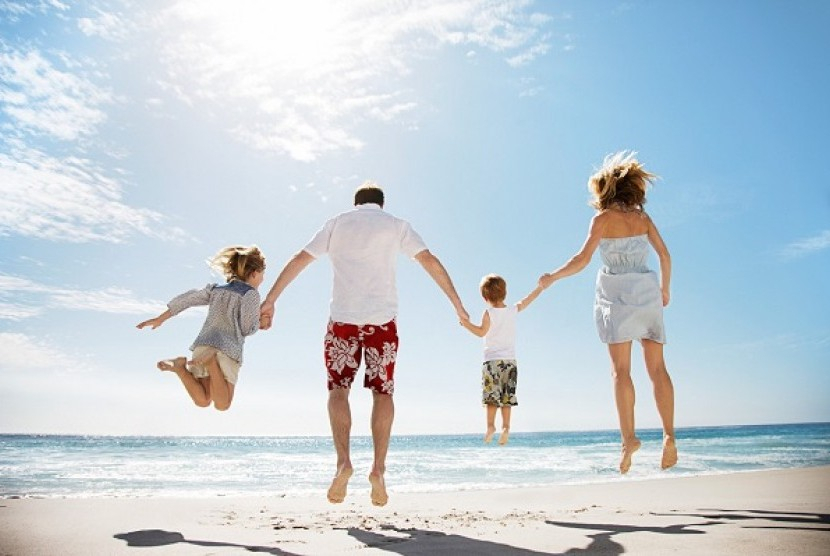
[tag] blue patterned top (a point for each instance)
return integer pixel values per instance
(233, 313)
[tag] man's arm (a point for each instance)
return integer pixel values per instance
(291, 270)
(438, 273)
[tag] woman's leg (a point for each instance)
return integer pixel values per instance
(624, 397)
(663, 396)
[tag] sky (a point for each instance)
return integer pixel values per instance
(139, 138)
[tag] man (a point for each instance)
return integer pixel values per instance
(363, 245)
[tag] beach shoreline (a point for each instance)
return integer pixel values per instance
(757, 512)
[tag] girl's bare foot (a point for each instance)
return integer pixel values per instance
(491, 430)
(628, 450)
(669, 452)
(339, 485)
(176, 364)
(504, 436)
(379, 496)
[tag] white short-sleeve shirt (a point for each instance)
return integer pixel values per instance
(363, 245)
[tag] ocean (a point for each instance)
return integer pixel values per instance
(137, 466)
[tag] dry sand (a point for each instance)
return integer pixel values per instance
(756, 513)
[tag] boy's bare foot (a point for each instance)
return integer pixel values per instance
(628, 450)
(175, 364)
(504, 436)
(339, 485)
(669, 453)
(489, 435)
(379, 496)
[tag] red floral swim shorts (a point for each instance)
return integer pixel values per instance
(346, 344)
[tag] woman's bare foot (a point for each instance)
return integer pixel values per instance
(669, 452)
(379, 496)
(488, 437)
(175, 364)
(504, 436)
(339, 485)
(628, 450)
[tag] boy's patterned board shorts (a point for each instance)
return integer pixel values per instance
(498, 382)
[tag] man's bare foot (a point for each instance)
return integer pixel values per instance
(488, 437)
(339, 485)
(504, 436)
(379, 496)
(669, 453)
(175, 364)
(628, 450)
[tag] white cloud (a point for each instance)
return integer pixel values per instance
(14, 11)
(297, 77)
(22, 352)
(105, 25)
(807, 245)
(30, 298)
(43, 100)
(69, 200)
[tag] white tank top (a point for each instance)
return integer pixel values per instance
(500, 340)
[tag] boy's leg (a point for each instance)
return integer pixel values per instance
(505, 424)
(198, 391)
(491, 422)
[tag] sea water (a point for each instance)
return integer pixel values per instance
(108, 466)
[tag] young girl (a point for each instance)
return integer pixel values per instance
(499, 372)
(233, 314)
(629, 297)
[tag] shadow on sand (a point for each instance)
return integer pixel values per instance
(421, 542)
(158, 537)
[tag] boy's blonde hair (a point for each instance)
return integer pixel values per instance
(621, 180)
(238, 262)
(493, 288)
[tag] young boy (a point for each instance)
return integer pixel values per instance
(499, 372)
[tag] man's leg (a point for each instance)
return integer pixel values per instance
(340, 418)
(383, 413)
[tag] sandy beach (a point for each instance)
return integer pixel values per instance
(763, 512)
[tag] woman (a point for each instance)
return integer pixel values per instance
(629, 297)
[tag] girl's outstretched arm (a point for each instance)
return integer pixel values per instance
(156, 321)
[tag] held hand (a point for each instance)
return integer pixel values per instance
(266, 316)
(546, 280)
(666, 298)
(462, 315)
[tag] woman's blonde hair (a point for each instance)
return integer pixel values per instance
(493, 288)
(238, 262)
(621, 180)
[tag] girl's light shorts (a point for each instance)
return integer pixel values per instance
(230, 367)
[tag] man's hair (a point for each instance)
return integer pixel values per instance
(369, 192)
(493, 288)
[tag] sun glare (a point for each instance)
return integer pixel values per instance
(294, 36)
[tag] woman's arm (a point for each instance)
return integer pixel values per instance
(665, 260)
(579, 261)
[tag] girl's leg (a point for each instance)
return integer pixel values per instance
(663, 396)
(505, 424)
(491, 422)
(198, 389)
(220, 389)
(624, 397)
